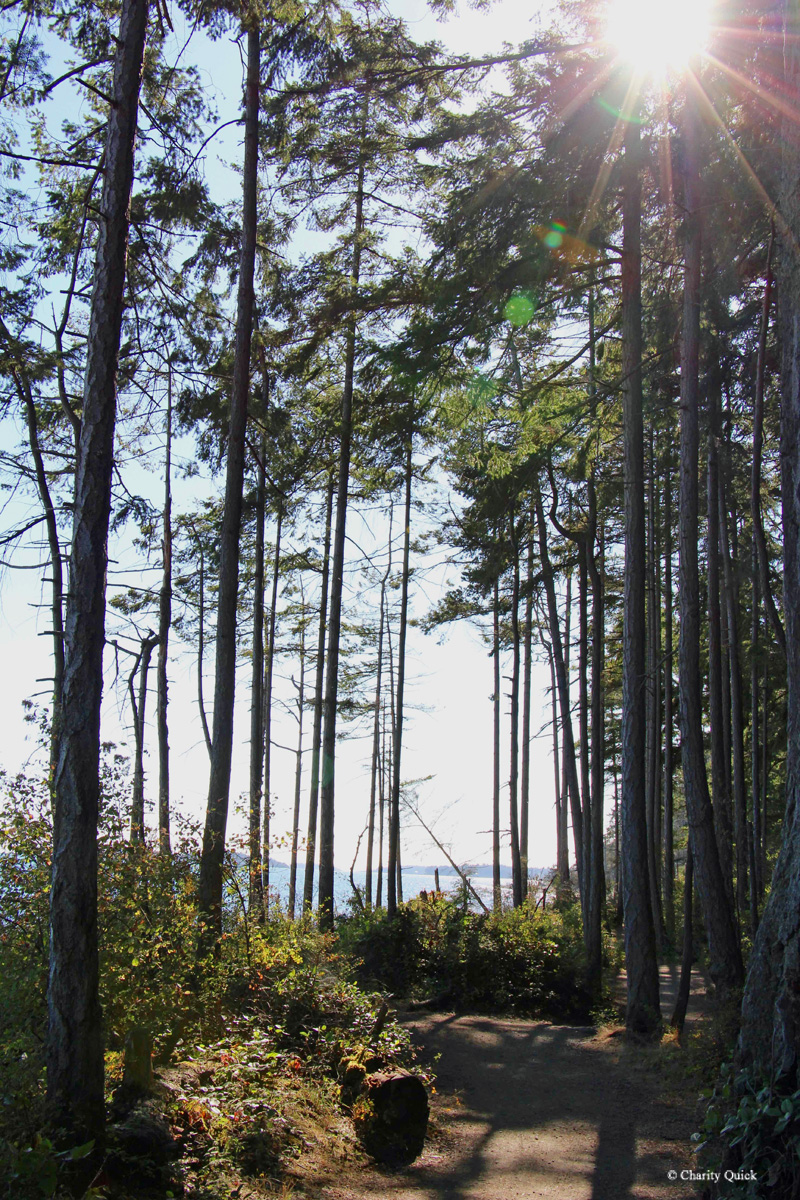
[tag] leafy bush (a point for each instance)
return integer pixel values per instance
(751, 1137)
(521, 960)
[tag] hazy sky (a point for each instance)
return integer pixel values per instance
(450, 674)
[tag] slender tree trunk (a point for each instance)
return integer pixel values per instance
(668, 839)
(758, 451)
(210, 885)
(164, 623)
(316, 734)
(643, 1008)
(716, 699)
(269, 668)
(497, 893)
(298, 774)
(56, 566)
(376, 738)
(74, 1037)
(737, 708)
(142, 667)
(393, 876)
(256, 891)
(513, 782)
(597, 883)
(337, 574)
(524, 799)
(567, 740)
(562, 848)
(381, 811)
(583, 719)
(724, 956)
(755, 749)
(653, 739)
(678, 1017)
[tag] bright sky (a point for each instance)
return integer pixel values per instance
(451, 675)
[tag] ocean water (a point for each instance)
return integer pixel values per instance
(413, 884)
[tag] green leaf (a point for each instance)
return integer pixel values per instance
(83, 1151)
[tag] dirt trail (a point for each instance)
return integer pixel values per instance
(527, 1109)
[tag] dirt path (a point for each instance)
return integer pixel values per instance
(526, 1109)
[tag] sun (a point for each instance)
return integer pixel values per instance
(658, 36)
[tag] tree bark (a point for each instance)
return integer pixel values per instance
(74, 1037)
(668, 838)
(737, 708)
(210, 885)
(316, 733)
(725, 961)
(525, 777)
(567, 739)
(256, 875)
(497, 893)
(376, 737)
(643, 1008)
(770, 1033)
(337, 574)
(723, 827)
(298, 775)
(269, 668)
(513, 782)
(142, 667)
(56, 565)
(164, 623)
(653, 779)
(393, 873)
(756, 514)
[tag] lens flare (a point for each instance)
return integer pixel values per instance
(659, 35)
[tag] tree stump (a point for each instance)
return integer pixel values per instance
(137, 1076)
(390, 1116)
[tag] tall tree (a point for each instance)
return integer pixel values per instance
(74, 1037)
(643, 1007)
(210, 885)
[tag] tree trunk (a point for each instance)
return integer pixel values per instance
(758, 450)
(737, 708)
(56, 565)
(716, 700)
(562, 847)
(316, 734)
(376, 746)
(497, 892)
(74, 1037)
(381, 810)
(394, 825)
(668, 838)
(643, 1009)
(164, 623)
(513, 782)
(685, 983)
(210, 885)
(256, 888)
(583, 718)
(335, 617)
(298, 774)
(567, 740)
(142, 666)
(725, 961)
(755, 749)
(653, 779)
(269, 668)
(524, 798)
(770, 1032)
(597, 883)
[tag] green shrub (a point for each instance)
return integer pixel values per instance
(751, 1137)
(521, 960)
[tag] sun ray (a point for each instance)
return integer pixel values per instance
(699, 93)
(752, 85)
(614, 144)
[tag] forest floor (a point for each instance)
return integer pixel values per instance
(527, 1109)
